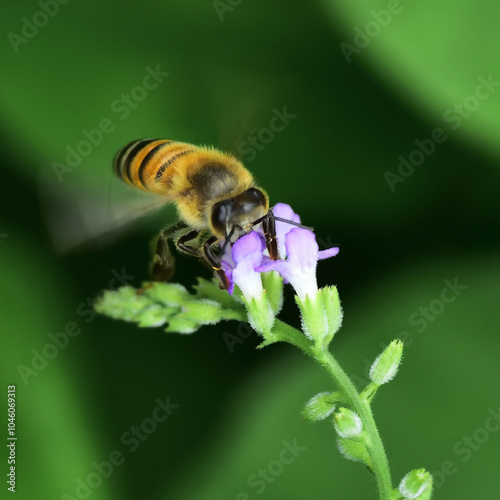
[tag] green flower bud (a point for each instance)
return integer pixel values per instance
(416, 484)
(355, 451)
(313, 317)
(320, 406)
(170, 294)
(203, 311)
(347, 423)
(210, 290)
(155, 315)
(386, 365)
(124, 303)
(329, 297)
(179, 324)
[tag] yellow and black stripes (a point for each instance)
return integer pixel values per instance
(143, 163)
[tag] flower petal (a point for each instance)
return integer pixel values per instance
(283, 211)
(247, 254)
(328, 252)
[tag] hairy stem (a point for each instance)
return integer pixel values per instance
(362, 408)
(375, 448)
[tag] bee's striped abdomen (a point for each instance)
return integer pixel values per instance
(145, 163)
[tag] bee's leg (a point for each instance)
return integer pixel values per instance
(214, 261)
(269, 228)
(163, 263)
(189, 249)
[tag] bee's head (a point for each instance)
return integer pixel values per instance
(237, 216)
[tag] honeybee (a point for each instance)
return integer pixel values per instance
(216, 198)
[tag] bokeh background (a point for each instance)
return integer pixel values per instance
(364, 81)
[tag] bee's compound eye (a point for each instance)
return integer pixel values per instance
(249, 200)
(220, 215)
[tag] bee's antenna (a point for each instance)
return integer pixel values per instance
(286, 221)
(291, 222)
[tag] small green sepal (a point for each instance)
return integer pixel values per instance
(260, 314)
(313, 317)
(417, 484)
(320, 406)
(273, 285)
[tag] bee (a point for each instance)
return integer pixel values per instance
(216, 197)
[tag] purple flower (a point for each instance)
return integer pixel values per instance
(298, 251)
(299, 268)
(239, 266)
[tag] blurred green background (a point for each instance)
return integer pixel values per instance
(370, 85)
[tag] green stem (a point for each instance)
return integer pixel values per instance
(362, 408)
(282, 331)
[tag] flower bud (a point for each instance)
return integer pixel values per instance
(124, 303)
(355, 451)
(416, 484)
(171, 294)
(329, 297)
(386, 365)
(320, 406)
(155, 315)
(347, 423)
(179, 324)
(203, 311)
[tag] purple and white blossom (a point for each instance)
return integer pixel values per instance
(299, 254)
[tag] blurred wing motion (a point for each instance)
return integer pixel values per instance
(78, 217)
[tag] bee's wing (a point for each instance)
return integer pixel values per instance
(79, 217)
